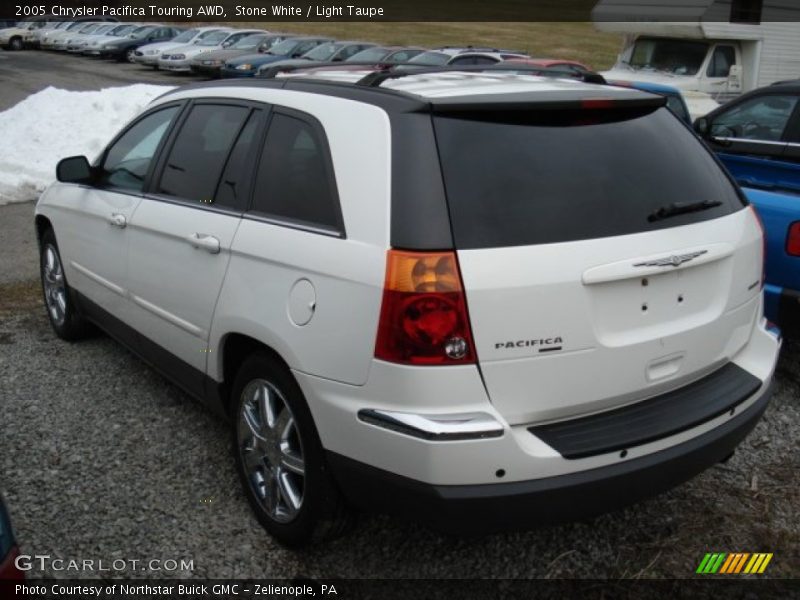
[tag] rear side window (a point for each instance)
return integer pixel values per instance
(232, 188)
(295, 179)
(676, 105)
(197, 157)
(517, 179)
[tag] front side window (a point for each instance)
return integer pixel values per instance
(722, 60)
(197, 157)
(127, 161)
(762, 118)
(294, 180)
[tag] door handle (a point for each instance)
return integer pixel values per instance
(118, 220)
(205, 242)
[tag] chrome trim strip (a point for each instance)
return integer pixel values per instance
(168, 316)
(435, 427)
(748, 141)
(97, 279)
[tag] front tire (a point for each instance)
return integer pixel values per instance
(130, 56)
(15, 44)
(279, 456)
(61, 310)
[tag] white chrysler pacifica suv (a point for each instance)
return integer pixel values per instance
(479, 300)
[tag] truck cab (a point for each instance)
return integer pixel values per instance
(710, 66)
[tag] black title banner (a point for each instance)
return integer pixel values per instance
(382, 589)
(736, 11)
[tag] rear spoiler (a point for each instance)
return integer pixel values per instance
(541, 101)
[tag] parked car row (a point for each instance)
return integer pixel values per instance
(219, 51)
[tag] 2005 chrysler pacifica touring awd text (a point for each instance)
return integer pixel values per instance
(482, 300)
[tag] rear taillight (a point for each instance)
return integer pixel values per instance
(793, 239)
(424, 317)
(763, 245)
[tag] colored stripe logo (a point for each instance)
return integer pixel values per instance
(734, 563)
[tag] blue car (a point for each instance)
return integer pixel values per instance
(248, 65)
(8, 549)
(757, 137)
(675, 101)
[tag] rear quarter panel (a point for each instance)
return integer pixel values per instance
(778, 210)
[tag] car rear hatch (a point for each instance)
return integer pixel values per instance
(605, 255)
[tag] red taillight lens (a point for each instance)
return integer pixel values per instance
(424, 317)
(594, 103)
(793, 239)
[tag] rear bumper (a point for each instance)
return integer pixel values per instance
(525, 504)
(782, 306)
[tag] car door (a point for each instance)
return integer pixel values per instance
(722, 58)
(792, 138)
(295, 280)
(753, 128)
(93, 231)
(181, 233)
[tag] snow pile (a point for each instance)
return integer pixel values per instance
(53, 124)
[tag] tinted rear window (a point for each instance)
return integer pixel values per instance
(515, 179)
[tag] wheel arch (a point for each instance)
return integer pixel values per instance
(42, 225)
(234, 348)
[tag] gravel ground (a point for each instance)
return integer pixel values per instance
(103, 459)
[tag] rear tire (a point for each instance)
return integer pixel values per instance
(279, 456)
(58, 300)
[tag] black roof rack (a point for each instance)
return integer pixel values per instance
(376, 78)
(385, 71)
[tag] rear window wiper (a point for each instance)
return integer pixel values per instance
(678, 208)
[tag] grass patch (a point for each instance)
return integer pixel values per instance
(574, 40)
(19, 297)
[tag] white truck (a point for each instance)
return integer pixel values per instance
(720, 47)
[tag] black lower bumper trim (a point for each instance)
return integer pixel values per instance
(527, 504)
(651, 419)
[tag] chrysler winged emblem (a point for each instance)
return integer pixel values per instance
(675, 260)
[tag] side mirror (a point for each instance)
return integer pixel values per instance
(337, 59)
(702, 126)
(226, 45)
(75, 169)
(735, 78)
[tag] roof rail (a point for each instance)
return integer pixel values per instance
(269, 71)
(376, 78)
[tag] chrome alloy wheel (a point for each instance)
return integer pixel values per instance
(271, 450)
(55, 290)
